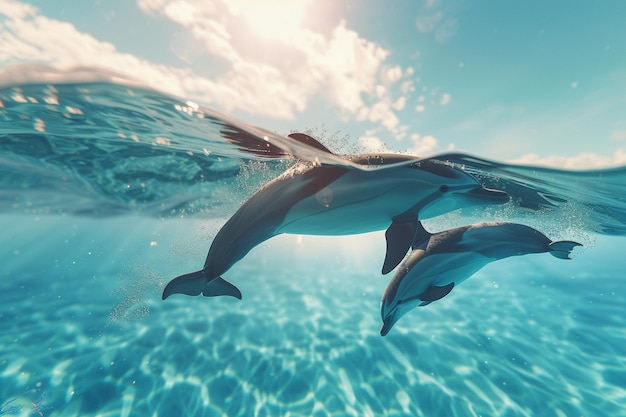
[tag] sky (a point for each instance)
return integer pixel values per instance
(535, 82)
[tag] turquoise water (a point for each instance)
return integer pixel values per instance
(109, 191)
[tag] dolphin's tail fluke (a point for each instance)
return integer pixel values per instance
(562, 248)
(199, 282)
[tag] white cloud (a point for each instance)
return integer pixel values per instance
(407, 87)
(585, 160)
(618, 135)
(445, 99)
(420, 108)
(381, 91)
(343, 67)
(446, 30)
(431, 19)
(394, 74)
(400, 103)
(181, 11)
(381, 112)
(372, 144)
(428, 21)
(338, 65)
(17, 10)
(422, 145)
(28, 37)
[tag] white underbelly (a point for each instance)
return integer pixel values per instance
(357, 202)
(350, 207)
(337, 222)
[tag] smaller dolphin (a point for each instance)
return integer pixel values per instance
(446, 259)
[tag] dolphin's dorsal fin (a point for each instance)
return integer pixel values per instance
(562, 248)
(399, 237)
(309, 141)
(435, 293)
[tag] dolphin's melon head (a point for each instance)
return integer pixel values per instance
(456, 189)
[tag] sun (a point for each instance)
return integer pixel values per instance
(272, 19)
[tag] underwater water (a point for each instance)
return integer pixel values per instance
(108, 191)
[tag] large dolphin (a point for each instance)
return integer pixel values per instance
(325, 199)
(446, 259)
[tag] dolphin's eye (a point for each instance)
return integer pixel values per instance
(443, 188)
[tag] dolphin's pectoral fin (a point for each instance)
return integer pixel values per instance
(308, 140)
(562, 248)
(219, 286)
(196, 283)
(399, 237)
(435, 293)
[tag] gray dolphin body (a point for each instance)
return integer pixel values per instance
(444, 260)
(338, 200)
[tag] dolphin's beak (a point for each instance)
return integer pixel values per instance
(488, 195)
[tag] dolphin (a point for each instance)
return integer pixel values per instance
(327, 199)
(446, 259)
